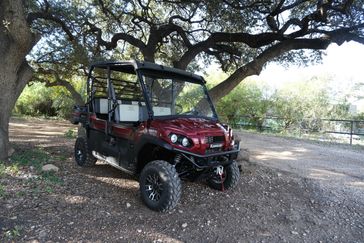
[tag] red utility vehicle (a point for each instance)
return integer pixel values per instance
(158, 123)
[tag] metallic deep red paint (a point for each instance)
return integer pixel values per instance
(196, 129)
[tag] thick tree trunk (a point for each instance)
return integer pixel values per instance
(255, 66)
(16, 41)
(226, 86)
(75, 95)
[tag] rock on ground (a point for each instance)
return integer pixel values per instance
(50, 167)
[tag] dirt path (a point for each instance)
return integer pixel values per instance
(102, 204)
(335, 167)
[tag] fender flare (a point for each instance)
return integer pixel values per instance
(149, 139)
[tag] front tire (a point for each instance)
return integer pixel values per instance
(160, 186)
(83, 155)
(229, 179)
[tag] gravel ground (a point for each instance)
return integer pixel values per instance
(335, 167)
(275, 201)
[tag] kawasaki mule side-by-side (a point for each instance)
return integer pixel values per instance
(158, 123)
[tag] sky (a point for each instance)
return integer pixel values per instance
(344, 64)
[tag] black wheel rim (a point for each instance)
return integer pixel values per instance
(153, 187)
(79, 154)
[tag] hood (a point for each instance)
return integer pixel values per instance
(191, 125)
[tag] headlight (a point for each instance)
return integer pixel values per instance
(185, 142)
(180, 140)
(174, 138)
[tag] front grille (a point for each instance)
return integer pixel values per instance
(213, 150)
(215, 139)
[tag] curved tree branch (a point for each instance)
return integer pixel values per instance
(109, 45)
(49, 16)
(58, 81)
(255, 67)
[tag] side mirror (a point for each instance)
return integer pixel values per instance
(78, 114)
(75, 119)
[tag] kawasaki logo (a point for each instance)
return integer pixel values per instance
(216, 145)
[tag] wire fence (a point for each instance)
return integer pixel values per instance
(333, 130)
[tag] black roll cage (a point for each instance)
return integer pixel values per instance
(138, 68)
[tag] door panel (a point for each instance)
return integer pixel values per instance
(119, 143)
(124, 136)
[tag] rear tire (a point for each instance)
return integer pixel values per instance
(230, 178)
(160, 186)
(83, 155)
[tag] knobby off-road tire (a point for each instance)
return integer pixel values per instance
(83, 155)
(230, 178)
(160, 186)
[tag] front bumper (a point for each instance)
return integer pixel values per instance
(210, 160)
(235, 150)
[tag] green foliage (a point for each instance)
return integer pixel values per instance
(39, 100)
(298, 105)
(29, 160)
(62, 157)
(2, 169)
(35, 100)
(70, 133)
(51, 177)
(13, 233)
(165, 31)
(34, 157)
(340, 110)
(2, 191)
(247, 101)
(303, 104)
(11, 168)
(189, 96)
(358, 117)
(20, 193)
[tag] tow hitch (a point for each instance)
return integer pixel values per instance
(219, 170)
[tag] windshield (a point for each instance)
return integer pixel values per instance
(176, 96)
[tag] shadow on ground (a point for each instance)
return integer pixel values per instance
(103, 204)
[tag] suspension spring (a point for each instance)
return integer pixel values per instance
(177, 159)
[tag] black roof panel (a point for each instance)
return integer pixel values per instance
(131, 66)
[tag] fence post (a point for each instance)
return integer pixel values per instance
(351, 132)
